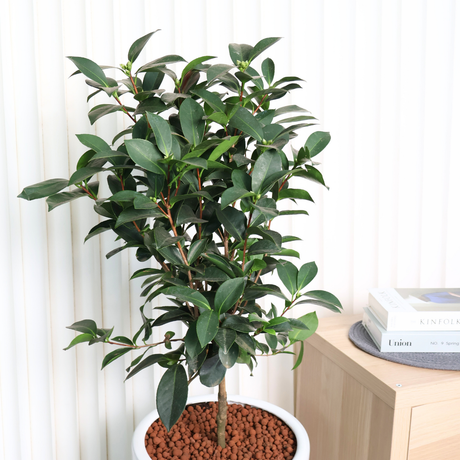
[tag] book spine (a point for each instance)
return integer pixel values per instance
(410, 341)
(393, 320)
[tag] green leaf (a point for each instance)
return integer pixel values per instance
(324, 296)
(213, 100)
(212, 372)
(149, 361)
(217, 71)
(271, 340)
(90, 69)
(93, 142)
(161, 131)
(186, 294)
(234, 222)
(84, 173)
(222, 148)
(229, 358)
(268, 70)
(311, 321)
(101, 110)
(207, 326)
(193, 64)
(288, 109)
(232, 194)
(241, 179)
(132, 215)
(172, 395)
(43, 189)
(238, 323)
(164, 239)
(56, 200)
(306, 274)
(113, 355)
(264, 247)
(247, 123)
(145, 154)
(270, 235)
(317, 142)
(266, 165)
(261, 290)
(196, 250)
(192, 344)
(228, 294)
(87, 326)
(138, 46)
(245, 342)
(220, 262)
(287, 273)
(191, 119)
(239, 52)
(262, 45)
(225, 339)
(100, 228)
(299, 357)
(80, 339)
(294, 193)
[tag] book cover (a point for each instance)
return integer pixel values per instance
(410, 341)
(417, 309)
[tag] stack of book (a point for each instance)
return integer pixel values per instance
(414, 320)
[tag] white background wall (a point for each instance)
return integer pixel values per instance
(381, 75)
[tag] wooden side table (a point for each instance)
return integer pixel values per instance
(355, 406)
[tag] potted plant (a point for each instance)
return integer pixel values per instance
(195, 183)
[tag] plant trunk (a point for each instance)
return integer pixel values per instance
(221, 414)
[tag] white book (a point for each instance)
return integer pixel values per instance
(410, 341)
(417, 309)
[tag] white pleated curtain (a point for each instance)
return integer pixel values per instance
(381, 76)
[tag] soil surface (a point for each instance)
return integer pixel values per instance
(252, 433)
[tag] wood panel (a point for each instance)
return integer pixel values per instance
(343, 418)
(435, 431)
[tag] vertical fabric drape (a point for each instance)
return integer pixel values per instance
(381, 76)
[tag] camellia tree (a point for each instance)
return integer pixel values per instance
(195, 183)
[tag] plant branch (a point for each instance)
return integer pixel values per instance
(124, 109)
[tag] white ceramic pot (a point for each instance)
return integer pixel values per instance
(303, 442)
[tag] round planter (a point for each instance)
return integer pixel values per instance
(303, 442)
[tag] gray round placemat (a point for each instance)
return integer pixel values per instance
(442, 361)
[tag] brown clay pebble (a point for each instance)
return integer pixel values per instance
(251, 433)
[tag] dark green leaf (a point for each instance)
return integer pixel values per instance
(270, 235)
(221, 263)
(268, 70)
(306, 274)
(207, 326)
(101, 110)
(113, 355)
(324, 296)
(264, 247)
(161, 131)
(239, 52)
(287, 273)
(164, 239)
(90, 69)
(311, 321)
(138, 46)
(228, 294)
(317, 142)
(294, 193)
(149, 361)
(232, 194)
(56, 200)
(247, 123)
(234, 222)
(93, 142)
(229, 358)
(238, 323)
(212, 99)
(261, 46)
(80, 339)
(193, 64)
(271, 341)
(246, 343)
(288, 109)
(225, 339)
(191, 119)
(100, 228)
(212, 372)
(87, 326)
(186, 294)
(299, 357)
(132, 215)
(196, 250)
(261, 290)
(145, 154)
(172, 395)
(217, 71)
(222, 148)
(157, 64)
(84, 173)
(192, 344)
(266, 165)
(43, 189)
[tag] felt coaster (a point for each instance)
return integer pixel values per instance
(442, 361)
